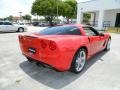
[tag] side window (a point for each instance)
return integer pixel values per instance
(89, 31)
(7, 23)
(1, 23)
(73, 31)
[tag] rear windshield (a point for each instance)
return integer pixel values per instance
(61, 30)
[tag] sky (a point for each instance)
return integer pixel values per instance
(13, 7)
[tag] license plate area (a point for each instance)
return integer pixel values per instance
(31, 50)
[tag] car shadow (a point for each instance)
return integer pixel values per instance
(53, 79)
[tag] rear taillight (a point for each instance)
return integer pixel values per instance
(52, 45)
(43, 44)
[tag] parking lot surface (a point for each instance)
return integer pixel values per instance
(102, 72)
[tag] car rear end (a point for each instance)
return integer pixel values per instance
(42, 50)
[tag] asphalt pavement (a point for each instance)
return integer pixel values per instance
(102, 72)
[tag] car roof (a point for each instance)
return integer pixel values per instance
(4, 21)
(83, 25)
(78, 25)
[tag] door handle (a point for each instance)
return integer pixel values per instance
(89, 39)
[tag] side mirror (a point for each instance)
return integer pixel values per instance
(101, 34)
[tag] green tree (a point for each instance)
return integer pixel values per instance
(86, 17)
(27, 17)
(47, 8)
(10, 18)
(70, 9)
(1, 18)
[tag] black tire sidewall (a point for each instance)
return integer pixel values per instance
(73, 69)
(106, 49)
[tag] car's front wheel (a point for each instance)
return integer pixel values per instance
(79, 61)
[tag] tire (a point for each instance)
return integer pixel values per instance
(79, 61)
(20, 29)
(107, 48)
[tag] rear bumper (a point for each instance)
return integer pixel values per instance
(41, 63)
(25, 29)
(57, 63)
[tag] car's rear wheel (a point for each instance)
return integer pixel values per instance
(79, 61)
(108, 45)
(21, 30)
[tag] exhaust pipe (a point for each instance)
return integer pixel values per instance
(40, 64)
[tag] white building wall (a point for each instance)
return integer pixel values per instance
(95, 5)
(110, 15)
(94, 17)
(99, 6)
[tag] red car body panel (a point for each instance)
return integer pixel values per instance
(65, 47)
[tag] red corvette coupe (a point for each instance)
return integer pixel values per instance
(64, 47)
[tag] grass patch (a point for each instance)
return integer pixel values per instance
(113, 30)
(18, 81)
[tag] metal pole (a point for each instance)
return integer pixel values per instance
(20, 13)
(57, 9)
(20, 16)
(37, 17)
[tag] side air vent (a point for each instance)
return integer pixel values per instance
(104, 43)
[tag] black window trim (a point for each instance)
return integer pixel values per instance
(94, 30)
(7, 24)
(1, 23)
